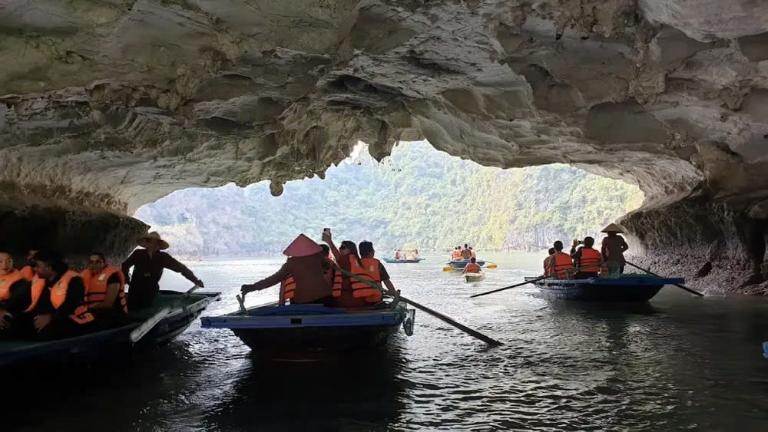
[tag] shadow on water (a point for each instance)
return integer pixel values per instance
(358, 391)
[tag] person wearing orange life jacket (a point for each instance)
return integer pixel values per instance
(348, 260)
(587, 260)
(375, 271)
(560, 264)
(456, 254)
(303, 276)
(14, 288)
(473, 266)
(105, 290)
(60, 310)
(27, 271)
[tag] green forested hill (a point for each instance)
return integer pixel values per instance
(418, 197)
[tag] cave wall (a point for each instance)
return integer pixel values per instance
(107, 105)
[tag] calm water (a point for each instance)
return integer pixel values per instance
(679, 363)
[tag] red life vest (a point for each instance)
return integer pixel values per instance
(96, 287)
(287, 288)
(59, 294)
(561, 265)
(590, 260)
(6, 281)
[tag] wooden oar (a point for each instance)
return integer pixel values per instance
(654, 274)
(506, 288)
(144, 328)
(474, 333)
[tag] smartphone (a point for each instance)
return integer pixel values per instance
(327, 230)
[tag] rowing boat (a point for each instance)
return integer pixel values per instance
(460, 264)
(474, 277)
(312, 328)
(626, 288)
(403, 261)
(182, 310)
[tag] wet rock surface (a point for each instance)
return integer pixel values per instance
(107, 105)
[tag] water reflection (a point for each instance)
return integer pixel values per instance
(350, 392)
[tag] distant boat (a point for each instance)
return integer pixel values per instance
(474, 277)
(627, 288)
(403, 261)
(306, 330)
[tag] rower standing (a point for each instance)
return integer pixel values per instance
(613, 248)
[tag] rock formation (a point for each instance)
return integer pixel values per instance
(109, 104)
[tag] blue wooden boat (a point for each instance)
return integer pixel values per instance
(460, 264)
(403, 261)
(627, 288)
(183, 310)
(305, 329)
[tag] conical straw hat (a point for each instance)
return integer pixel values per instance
(153, 236)
(613, 228)
(302, 246)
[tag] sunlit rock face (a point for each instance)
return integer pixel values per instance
(107, 105)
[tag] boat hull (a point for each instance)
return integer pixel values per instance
(111, 342)
(473, 277)
(402, 261)
(302, 330)
(623, 289)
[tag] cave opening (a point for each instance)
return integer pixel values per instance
(418, 197)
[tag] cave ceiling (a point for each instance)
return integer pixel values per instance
(112, 104)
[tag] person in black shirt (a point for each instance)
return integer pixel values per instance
(148, 265)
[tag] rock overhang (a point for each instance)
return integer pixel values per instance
(116, 103)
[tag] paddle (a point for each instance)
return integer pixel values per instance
(150, 323)
(654, 274)
(491, 266)
(474, 333)
(506, 288)
(447, 268)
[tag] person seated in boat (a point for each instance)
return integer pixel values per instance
(456, 254)
(348, 291)
(60, 309)
(397, 254)
(587, 260)
(14, 297)
(105, 290)
(472, 266)
(613, 248)
(550, 252)
(560, 263)
(148, 265)
(27, 271)
(375, 272)
(303, 276)
(472, 253)
(466, 253)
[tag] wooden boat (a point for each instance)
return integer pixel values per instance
(311, 328)
(627, 288)
(474, 277)
(403, 261)
(183, 310)
(460, 264)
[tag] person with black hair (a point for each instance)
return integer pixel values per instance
(58, 299)
(105, 290)
(348, 260)
(560, 264)
(587, 260)
(547, 266)
(376, 272)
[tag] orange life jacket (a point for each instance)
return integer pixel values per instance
(96, 287)
(287, 288)
(560, 265)
(456, 255)
(6, 281)
(590, 261)
(369, 271)
(59, 294)
(36, 291)
(472, 268)
(27, 272)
